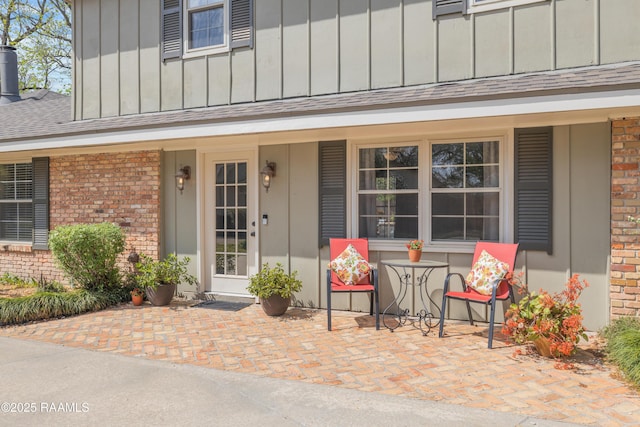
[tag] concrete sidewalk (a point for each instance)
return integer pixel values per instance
(63, 386)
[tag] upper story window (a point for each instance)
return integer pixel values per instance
(206, 23)
(446, 7)
(486, 5)
(201, 27)
(16, 210)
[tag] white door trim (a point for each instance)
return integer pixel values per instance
(206, 210)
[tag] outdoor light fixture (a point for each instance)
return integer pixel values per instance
(184, 173)
(268, 172)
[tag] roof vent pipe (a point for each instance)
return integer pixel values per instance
(8, 75)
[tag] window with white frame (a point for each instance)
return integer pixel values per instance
(486, 5)
(205, 23)
(465, 191)
(388, 190)
(202, 27)
(460, 180)
(16, 210)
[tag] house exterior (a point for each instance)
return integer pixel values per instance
(448, 121)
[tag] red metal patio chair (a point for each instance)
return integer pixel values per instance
(367, 285)
(505, 252)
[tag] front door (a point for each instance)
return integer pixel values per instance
(230, 221)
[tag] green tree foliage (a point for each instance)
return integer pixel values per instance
(41, 31)
(87, 253)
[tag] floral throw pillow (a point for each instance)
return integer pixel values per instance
(486, 273)
(350, 266)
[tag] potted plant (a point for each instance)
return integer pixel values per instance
(137, 296)
(274, 288)
(160, 278)
(415, 250)
(551, 322)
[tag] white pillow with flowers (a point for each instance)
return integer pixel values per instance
(486, 273)
(350, 266)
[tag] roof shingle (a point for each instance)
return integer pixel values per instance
(46, 114)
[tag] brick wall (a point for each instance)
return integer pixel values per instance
(123, 188)
(625, 235)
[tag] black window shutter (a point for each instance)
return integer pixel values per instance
(445, 7)
(533, 188)
(171, 29)
(241, 23)
(40, 202)
(333, 195)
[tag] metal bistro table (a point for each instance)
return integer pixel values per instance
(405, 270)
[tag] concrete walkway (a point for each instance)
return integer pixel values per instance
(220, 363)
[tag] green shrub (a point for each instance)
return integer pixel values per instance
(271, 281)
(623, 346)
(49, 305)
(16, 281)
(169, 271)
(87, 253)
(45, 285)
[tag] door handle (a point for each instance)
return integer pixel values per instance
(253, 233)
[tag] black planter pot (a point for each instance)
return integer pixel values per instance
(275, 305)
(162, 295)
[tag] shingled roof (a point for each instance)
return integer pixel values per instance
(45, 114)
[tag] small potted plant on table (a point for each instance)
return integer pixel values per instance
(160, 278)
(415, 250)
(274, 288)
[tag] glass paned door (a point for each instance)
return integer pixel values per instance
(230, 222)
(231, 218)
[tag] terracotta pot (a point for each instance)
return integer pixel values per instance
(415, 254)
(137, 299)
(162, 295)
(542, 344)
(275, 305)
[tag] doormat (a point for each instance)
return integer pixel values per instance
(223, 305)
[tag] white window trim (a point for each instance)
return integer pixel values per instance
(21, 243)
(209, 50)
(506, 189)
(476, 6)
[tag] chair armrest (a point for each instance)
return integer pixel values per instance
(447, 281)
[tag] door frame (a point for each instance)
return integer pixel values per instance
(206, 235)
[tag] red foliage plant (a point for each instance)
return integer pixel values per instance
(556, 317)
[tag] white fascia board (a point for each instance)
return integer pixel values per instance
(425, 113)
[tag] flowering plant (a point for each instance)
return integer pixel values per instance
(415, 244)
(557, 317)
(136, 292)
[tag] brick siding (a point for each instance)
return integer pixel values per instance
(625, 242)
(123, 188)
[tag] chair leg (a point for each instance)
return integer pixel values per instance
(377, 308)
(329, 300)
(492, 315)
(469, 313)
(442, 310)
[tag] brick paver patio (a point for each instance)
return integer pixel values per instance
(457, 369)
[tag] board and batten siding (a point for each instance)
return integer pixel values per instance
(316, 47)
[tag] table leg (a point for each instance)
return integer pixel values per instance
(425, 315)
(400, 315)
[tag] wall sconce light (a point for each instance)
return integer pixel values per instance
(268, 172)
(184, 173)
